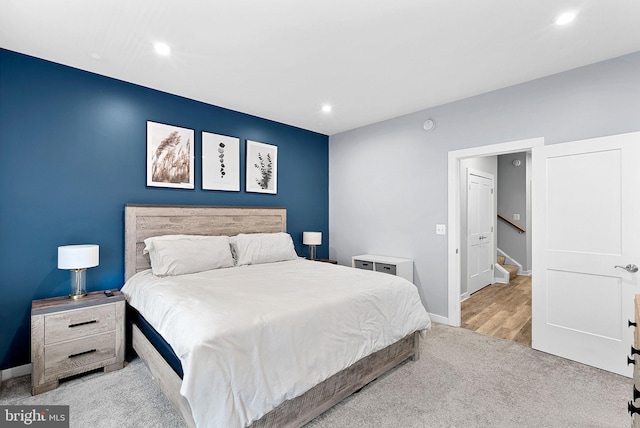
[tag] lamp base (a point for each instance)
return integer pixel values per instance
(78, 284)
(77, 296)
(312, 252)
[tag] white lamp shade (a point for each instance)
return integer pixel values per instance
(78, 256)
(312, 238)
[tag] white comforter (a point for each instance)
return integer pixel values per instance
(251, 337)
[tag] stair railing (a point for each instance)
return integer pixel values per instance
(506, 220)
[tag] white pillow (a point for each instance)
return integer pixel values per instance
(172, 255)
(256, 248)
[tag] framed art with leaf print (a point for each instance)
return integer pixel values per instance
(262, 167)
(169, 156)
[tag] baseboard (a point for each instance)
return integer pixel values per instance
(15, 372)
(510, 260)
(439, 319)
(464, 296)
(501, 275)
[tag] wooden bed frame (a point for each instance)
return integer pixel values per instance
(143, 221)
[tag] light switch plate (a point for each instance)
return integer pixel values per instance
(516, 216)
(441, 229)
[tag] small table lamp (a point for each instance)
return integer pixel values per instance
(77, 258)
(312, 239)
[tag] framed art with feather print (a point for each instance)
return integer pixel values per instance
(170, 156)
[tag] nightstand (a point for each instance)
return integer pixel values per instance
(70, 337)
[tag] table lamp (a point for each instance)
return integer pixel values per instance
(77, 258)
(312, 239)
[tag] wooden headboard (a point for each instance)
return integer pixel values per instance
(144, 221)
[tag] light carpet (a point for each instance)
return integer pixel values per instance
(463, 379)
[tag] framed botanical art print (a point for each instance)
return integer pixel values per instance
(169, 156)
(262, 167)
(220, 162)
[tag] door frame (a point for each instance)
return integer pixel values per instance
(453, 216)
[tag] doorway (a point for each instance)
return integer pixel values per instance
(583, 292)
(496, 298)
(454, 209)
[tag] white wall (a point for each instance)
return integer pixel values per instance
(388, 181)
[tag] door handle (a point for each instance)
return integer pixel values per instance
(629, 268)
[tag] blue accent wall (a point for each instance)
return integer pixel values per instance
(73, 153)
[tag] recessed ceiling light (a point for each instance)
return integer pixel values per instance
(162, 48)
(326, 108)
(565, 18)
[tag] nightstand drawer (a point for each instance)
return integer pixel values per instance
(78, 323)
(387, 268)
(361, 264)
(68, 356)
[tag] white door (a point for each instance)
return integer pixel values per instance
(586, 214)
(479, 230)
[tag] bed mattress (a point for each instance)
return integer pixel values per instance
(251, 337)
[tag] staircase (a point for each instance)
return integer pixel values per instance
(512, 269)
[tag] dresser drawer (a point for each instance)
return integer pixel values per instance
(387, 268)
(69, 356)
(636, 332)
(636, 367)
(78, 323)
(361, 264)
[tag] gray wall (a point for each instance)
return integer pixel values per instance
(388, 181)
(512, 199)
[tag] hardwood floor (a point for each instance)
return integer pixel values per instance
(501, 310)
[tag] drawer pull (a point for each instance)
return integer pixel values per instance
(630, 361)
(632, 324)
(633, 409)
(636, 393)
(634, 351)
(82, 353)
(386, 267)
(82, 323)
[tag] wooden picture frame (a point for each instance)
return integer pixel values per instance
(220, 162)
(170, 156)
(262, 167)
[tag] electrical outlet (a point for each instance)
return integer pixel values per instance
(441, 229)
(516, 216)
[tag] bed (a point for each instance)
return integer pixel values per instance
(315, 388)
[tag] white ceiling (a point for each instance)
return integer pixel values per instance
(283, 59)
